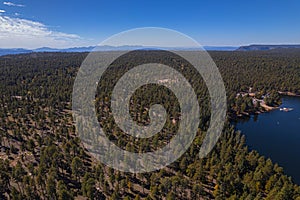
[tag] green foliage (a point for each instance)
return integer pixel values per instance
(41, 157)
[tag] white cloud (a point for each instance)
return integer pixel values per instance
(2, 11)
(7, 3)
(16, 32)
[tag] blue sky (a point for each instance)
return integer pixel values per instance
(65, 23)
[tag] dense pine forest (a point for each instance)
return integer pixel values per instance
(41, 157)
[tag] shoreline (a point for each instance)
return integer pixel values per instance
(244, 115)
(291, 94)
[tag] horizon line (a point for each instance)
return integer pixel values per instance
(185, 47)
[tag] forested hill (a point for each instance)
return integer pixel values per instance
(256, 47)
(41, 157)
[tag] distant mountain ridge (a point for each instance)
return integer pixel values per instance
(110, 48)
(259, 47)
(14, 51)
(254, 47)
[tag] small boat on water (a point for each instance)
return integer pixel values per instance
(286, 109)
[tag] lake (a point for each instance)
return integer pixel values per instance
(276, 135)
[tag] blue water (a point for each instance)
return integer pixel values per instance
(277, 135)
